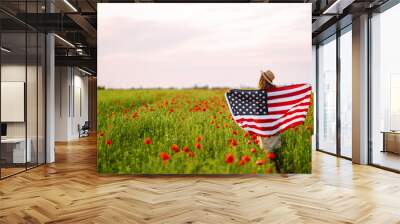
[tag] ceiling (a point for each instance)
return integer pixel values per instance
(76, 21)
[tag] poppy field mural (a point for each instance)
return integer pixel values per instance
(188, 131)
(204, 88)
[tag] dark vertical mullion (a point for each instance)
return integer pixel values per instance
(37, 90)
(73, 92)
(318, 6)
(369, 89)
(60, 95)
(69, 92)
(338, 73)
(0, 94)
(45, 93)
(45, 88)
(26, 86)
(316, 97)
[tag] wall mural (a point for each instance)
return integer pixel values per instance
(204, 88)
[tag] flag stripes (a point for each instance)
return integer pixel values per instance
(287, 108)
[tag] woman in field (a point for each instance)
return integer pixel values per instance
(269, 144)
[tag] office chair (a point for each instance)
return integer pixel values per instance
(84, 130)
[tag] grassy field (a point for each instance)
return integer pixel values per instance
(187, 132)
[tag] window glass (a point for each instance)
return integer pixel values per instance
(14, 153)
(346, 93)
(385, 88)
(327, 96)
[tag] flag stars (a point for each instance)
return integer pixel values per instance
(248, 102)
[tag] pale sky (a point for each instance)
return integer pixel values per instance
(181, 45)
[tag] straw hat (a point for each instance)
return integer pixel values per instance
(268, 76)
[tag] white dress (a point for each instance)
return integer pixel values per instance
(270, 143)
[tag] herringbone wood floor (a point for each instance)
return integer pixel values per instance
(70, 191)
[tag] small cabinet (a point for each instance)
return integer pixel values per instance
(391, 142)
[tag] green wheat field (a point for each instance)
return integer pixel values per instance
(187, 132)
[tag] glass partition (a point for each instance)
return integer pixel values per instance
(346, 93)
(13, 95)
(22, 78)
(385, 89)
(327, 95)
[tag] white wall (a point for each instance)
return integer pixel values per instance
(62, 82)
(80, 110)
(71, 93)
(34, 125)
(12, 73)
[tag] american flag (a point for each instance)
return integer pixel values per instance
(266, 113)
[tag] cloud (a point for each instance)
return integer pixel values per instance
(206, 44)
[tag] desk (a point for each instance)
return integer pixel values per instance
(391, 141)
(16, 147)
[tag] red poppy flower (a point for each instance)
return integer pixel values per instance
(135, 114)
(212, 122)
(260, 162)
(226, 125)
(254, 137)
(233, 143)
(249, 142)
(171, 110)
(246, 158)
(271, 155)
(229, 158)
(246, 134)
(190, 154)
(197, 146)
(175, 148)
(234, 132)
(147, 141)
(253, 150)
(256, 141)
(217, 126)
(109, 142)
(242, 162)
(199, 138)
(164, 156)
(186, 149)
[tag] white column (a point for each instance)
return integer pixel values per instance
(50, 100)
(360, 90)
(50, 92)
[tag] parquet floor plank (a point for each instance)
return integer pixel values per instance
(71, 191)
